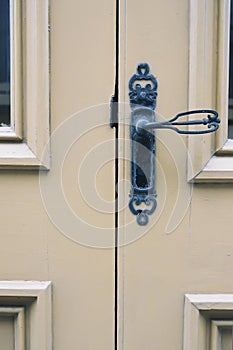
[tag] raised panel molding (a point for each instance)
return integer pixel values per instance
(18, 314)
(23, 144)
(30, 303)
(200, 311)
(208, 88)
(219, 340)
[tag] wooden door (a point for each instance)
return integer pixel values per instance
(57, 277)
(174, 280)
(62, 280)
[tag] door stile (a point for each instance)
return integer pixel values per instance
(122, 198)
(115, 124)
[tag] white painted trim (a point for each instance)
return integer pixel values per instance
(227, 148)
(30, 80)
(39, 312)
(218, 169)
(195, 324)
(9, 134)
(23, 288)
(208, 88)
(19, 155)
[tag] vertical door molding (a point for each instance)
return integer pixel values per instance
(208, 88)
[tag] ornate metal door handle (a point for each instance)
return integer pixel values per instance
(143, 142)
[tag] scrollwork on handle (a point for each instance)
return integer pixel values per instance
(142, 94)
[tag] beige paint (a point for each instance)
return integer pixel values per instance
(7, 332)
(157, 270)
(82, 41)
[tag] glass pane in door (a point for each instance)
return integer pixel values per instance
(4, 63)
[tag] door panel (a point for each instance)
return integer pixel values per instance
(7, 332)
(157, 269)
(82, 50)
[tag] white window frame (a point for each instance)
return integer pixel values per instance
(211, 154)
(22, 144)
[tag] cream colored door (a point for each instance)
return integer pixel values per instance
(186, 248)
(67, 240)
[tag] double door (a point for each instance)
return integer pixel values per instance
(115, 284)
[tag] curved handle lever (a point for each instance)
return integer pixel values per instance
(212, 122)
(143, 93)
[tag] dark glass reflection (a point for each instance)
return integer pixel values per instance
(230, 104)
(4, 63)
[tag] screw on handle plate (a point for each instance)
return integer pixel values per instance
(142, 94)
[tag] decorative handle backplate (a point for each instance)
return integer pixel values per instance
(142, 94)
